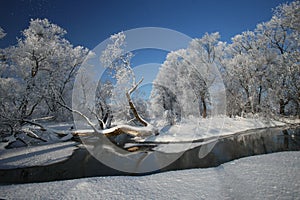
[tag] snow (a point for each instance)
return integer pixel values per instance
(195, 129)
(180, 137)
(290, 120)
(36, 155)
(271, 176)
(199, 128)
(185, 131)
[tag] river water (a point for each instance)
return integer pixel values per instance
(201, 154)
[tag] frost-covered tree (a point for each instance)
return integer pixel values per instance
(261, 67)
(39, 72)
(204, 52)
(246, 69)
(120, 105)
(289, 15)
(281, 36)
(47, 63)
(118, 61)
(181, 87)
(114, 101)
(102, 108)
(165, 97)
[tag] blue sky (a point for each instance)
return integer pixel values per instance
(89, 22)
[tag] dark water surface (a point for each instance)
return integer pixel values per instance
(82, 164)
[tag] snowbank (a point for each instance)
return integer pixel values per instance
(272, 176)
(36, 155)
(195, 129)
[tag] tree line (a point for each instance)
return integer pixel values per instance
(260, 70)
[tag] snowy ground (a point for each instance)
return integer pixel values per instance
(272, 176)
(193, 129)
(36, 155)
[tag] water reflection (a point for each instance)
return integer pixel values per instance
(240, 145)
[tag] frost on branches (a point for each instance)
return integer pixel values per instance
(35, 74)
(182, 86)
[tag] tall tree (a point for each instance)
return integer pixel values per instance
(204, 52)
(247, 62)
(41, 68)
(118, 62)
(183, 82)
(165, 97)
(281, 35)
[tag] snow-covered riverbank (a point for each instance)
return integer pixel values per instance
(199, 128)
(272, 176)
(186, 130)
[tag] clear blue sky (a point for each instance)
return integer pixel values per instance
(88, 22)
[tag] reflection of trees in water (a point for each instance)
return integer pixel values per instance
(286, 139)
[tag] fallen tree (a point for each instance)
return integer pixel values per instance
(146, 130)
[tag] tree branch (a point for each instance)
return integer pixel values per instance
(34, 123)
(81, 115)
(132, 107)
(33, 135)
(100, 121)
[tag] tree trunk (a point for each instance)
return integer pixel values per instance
(132, 107)
(259, 99)
(204, 113)
(281, 107)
